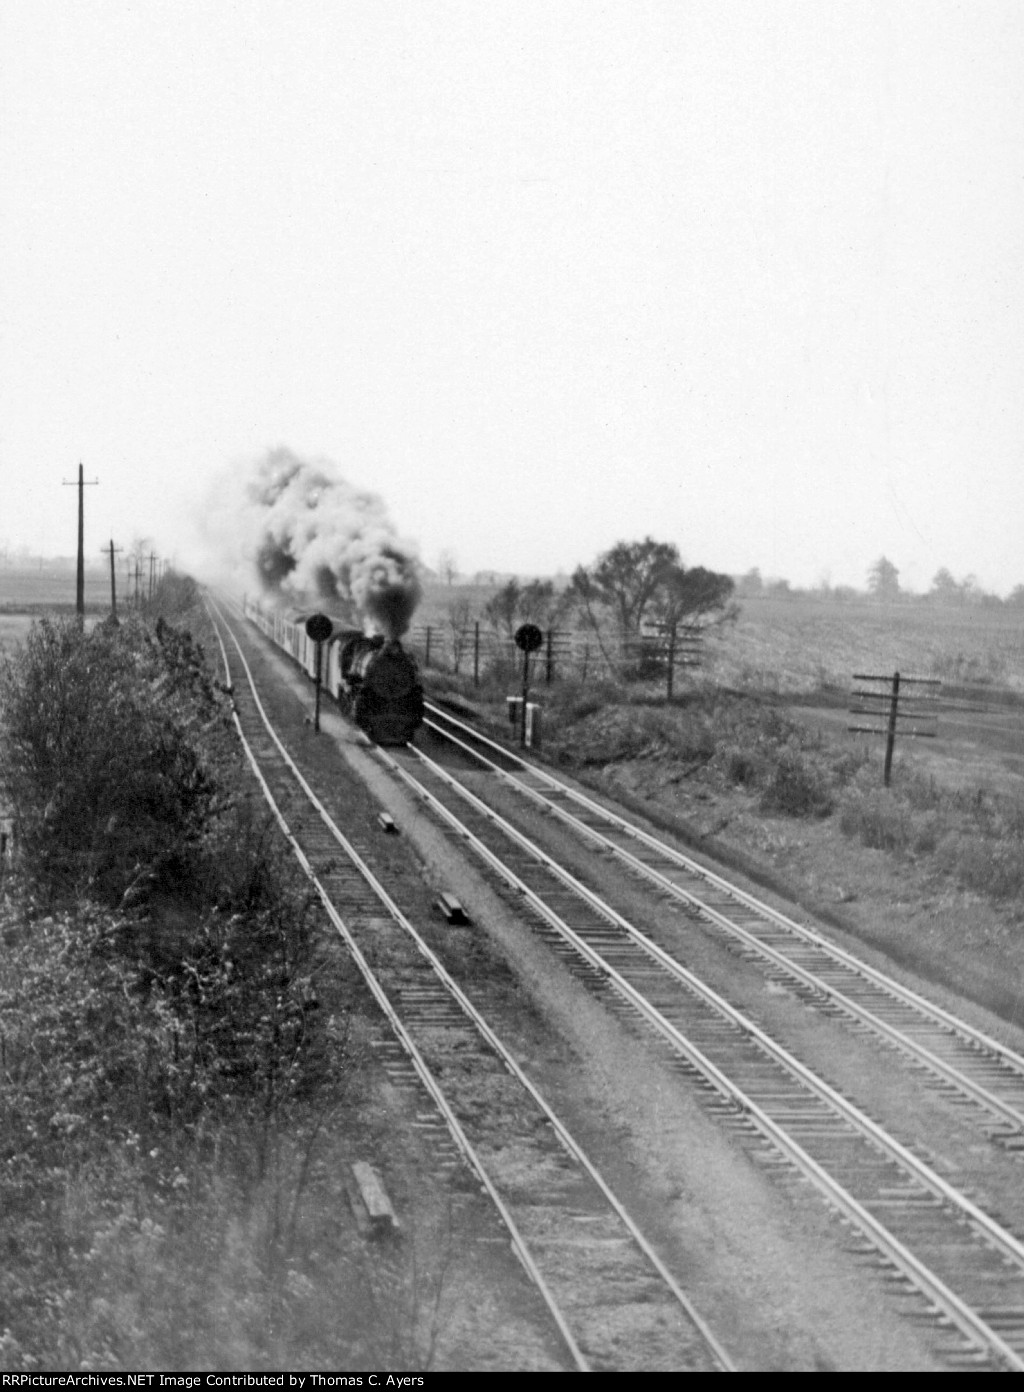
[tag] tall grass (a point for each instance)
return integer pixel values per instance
(976, 837)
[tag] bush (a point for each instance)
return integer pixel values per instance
(796, 787)
(85, 1051)
(101, 757)
(140, 1133)
(742, 766)
(900, 820)
(988, 866)
(166, 1066)
(847, 765)
(175, 597)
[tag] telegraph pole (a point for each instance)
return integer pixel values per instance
(80, 584)
(152, 568)
(113, 583)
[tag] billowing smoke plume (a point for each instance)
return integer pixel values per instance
(314, 536)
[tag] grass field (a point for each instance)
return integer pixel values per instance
(50, 586)
(28, 593)
(793, 646)
(13, 628)
(805, 643)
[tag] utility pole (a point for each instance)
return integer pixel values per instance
(80, 584)
(890, 733)
(113, 582)
(152, 568)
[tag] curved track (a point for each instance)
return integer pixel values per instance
(433, 1021)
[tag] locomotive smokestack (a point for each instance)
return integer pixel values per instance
(317, 535)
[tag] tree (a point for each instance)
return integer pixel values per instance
(137, 560)
(516, 604)
(884, 580)
(459, 615)
(624, 581)
(945, 590)
(540, 604)
(696, 596)
(645, 580)
(447, 566)
(970, 588)
(501, 609)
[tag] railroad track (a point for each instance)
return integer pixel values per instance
(612, 1299)
(957, 1056)
(929, 1235)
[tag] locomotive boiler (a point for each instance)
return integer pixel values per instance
(379, 686)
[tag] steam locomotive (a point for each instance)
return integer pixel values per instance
(373, 679)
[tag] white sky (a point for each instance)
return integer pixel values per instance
(747, 276)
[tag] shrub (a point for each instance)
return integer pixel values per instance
(796, 787)
(166, 1068)
(989, 866)
(126, 1093)
(847, 765)
(100, 752)
(175, 597)
(693, 739)
(742, 766)
(85, 1051)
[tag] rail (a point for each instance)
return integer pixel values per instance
(717, 1351)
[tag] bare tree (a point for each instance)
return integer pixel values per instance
(447, 566)
(502, 609)
(537, 602)
(459, 615)
(540, 603)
